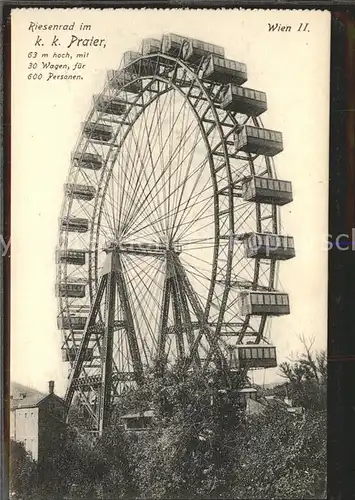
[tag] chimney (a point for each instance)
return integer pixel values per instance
(51, 386)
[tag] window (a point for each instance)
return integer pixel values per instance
(290, 242)
(259, 299)
(284, 299)
(251, 131)
(264, 183)
(248, 353)
(279, 300)
(266, 353)
(260, 353)
(254, 298)
(257, 182)
(254, 353)
(273, 299)
(272, 352)
(267, 299)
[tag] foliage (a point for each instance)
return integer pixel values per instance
(76, 464)
(307, 379)
(282, 457)
(186, 454)
(23, 470)
(200, 444)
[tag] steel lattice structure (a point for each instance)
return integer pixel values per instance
(165, 229)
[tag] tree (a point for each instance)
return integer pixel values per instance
(189, 450)
(23, 471)
(307, 378)
(200, 444)
(74, 469)
(282, 457)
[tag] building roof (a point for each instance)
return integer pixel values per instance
(297, 410)
(146, 413)
(22, 396)
(276, 402)
(247, 390)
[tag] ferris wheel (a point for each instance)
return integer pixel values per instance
(170, 235)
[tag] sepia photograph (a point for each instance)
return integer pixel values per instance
(169, 254)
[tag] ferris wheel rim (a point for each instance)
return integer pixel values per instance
(186, 67)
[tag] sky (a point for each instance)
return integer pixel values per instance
(291, 67)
